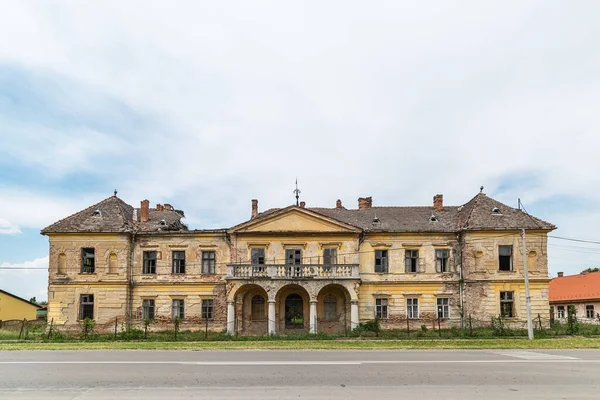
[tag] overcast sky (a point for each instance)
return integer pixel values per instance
(208, 104)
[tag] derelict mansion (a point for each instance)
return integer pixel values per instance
(298, 268)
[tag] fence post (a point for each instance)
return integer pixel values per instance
(440, 324)
(470, 325)
(116, 321)
(50, 330)
(540, 321)
(22, 326)
(206, 327)
(407, 326)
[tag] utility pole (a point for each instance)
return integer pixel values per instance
(527, 294)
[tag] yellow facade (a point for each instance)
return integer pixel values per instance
(15, 308)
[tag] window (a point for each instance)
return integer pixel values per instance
(412, 308)
(178, 308)
(88, 264)
(505, 258)
(507, 304)
(381, 307)
(589, 311)
(86, 306)
(411, 261)
(207, 308)
(330, 307)
(258, 308)
(329, 256)
(443, 309)
(208, 262)
(179, 262)
(293, 256)
(148, 309)
(441, 260)
(560, 311)
(258, 256)
(149, 262)
(381, 261)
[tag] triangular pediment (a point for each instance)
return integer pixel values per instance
(295, 219)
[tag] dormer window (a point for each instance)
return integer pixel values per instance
(97, 213)
(433, 218)
(496, 211)
(376, 221)
(163, 222)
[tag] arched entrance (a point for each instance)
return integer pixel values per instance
(333, 309)
(251, 310)
(294, 312)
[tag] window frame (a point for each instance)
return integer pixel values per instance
(178, 309)
(255, 257)
(209, 262)
(588, 308)
(410, 308)
(330, 312)
(147, 261)
(381, 256)
(297, 254)
(410, 259)
(442, 264)
(148, 309)
(178, 264)
(381, 307)
(444, 307)
(208, 309)
(510, 301)
(85, 251)
(330, 256)
(89, 301)
(510, 258)
(561, 312)
(255, 306)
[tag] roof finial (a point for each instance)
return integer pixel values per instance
(115, 192)
(481, 189)
(297, 192)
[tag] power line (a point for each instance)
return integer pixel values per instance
(574, 240)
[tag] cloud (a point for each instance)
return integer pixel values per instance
(26, 279)
(7, 228)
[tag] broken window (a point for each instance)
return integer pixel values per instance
(443, 307)
(441, 260)
(589, 311)
(505, 258)
(258, 308)
(330, 307)
(88, 263)
(381, 261)
(329, 256)
(560, 311)
(178, 308)
(86, 306)
(411, 261)
(381, 307)
(207, 309)
(293, 256)
(507, 304)
(149, 262)
(258, 256)
(179, 262)
(148, 309)
(208, 262)
(412, 308)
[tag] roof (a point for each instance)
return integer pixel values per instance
(162, 220)
(575, 287)
(19, 298)
(111, 215)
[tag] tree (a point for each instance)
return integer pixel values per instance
(33, 300)
(591, 270)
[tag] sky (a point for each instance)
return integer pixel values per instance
(206, 105)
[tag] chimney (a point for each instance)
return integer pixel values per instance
(560, 274)
(302, 204)
(254, 208)
(338, 204)
(365, 203)
(144, 210)
(168, 207)
(438, 202)
(159, 207)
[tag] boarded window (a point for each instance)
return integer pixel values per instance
(179, 262)
(381, 308)
(381, 261)
(330, 307)
(441, 260)
(88, 262)
(209, 262)
(62, 264)
(589, 311)
(293, 256)
(411, 261)
(178, 308)
(148, 309)
(329, 256)
(505, 258)
(86, 306)
(112, 263)
(443, 308)
(507, 304)
(258, 256)
(149, 262)
(258, 308)
(207, 309)
(412, 308)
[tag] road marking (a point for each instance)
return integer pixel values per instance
(532, 355)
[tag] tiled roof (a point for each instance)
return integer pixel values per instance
(575, 287)
(164, 220)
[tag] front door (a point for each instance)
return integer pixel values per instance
(294, 312)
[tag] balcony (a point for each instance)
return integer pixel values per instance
(300, 271)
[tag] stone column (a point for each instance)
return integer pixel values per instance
(230, 318)
(313, 316)
(272, 324)
(354, 320)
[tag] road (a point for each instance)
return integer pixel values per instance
(495, 374)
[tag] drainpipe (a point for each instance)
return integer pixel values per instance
(130, 283)
(461, 281)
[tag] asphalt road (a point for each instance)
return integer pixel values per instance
(502, 374)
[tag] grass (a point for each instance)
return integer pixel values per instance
(315, 344)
